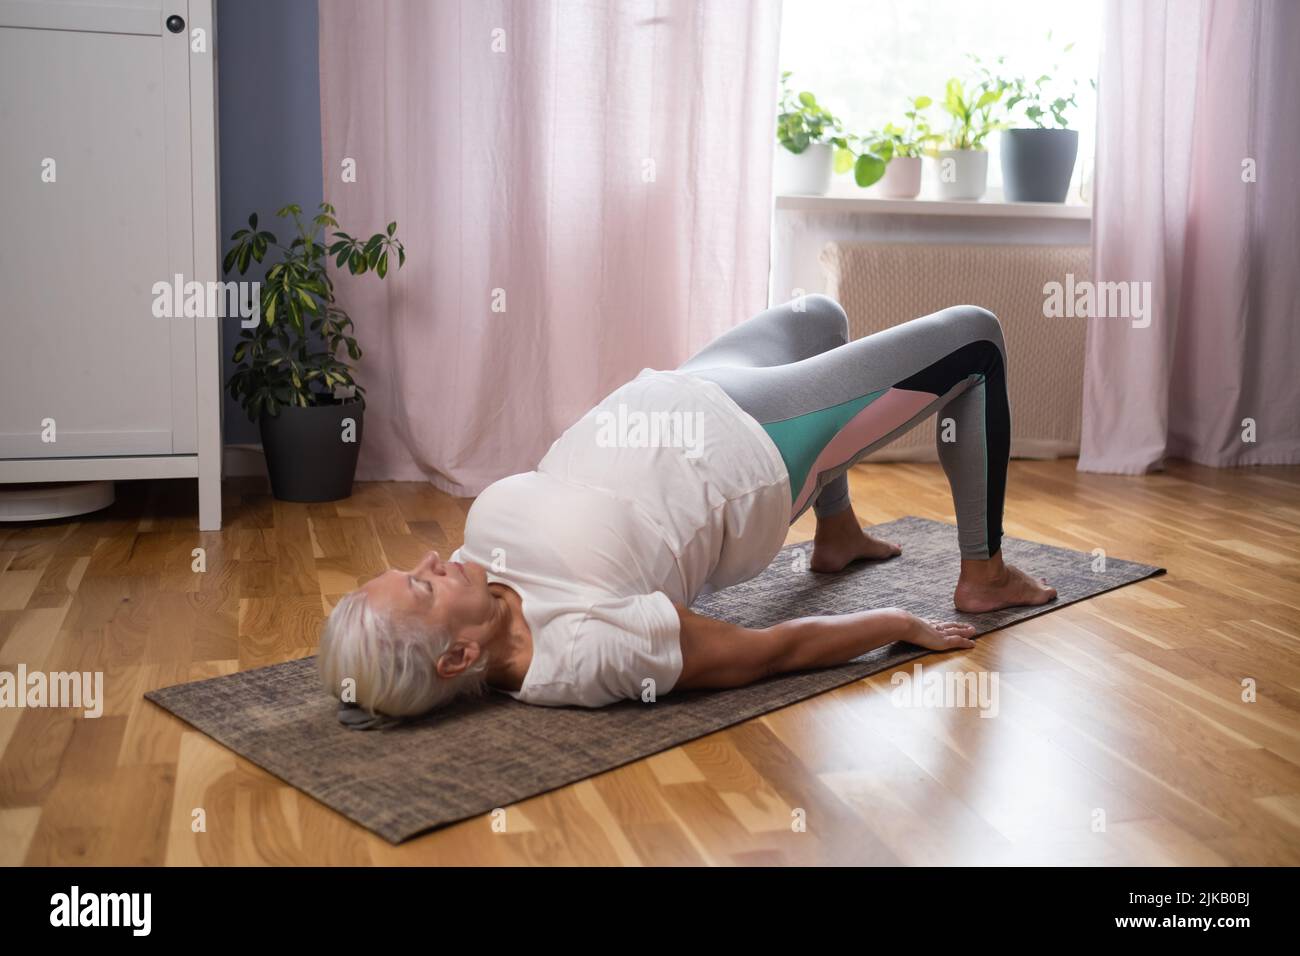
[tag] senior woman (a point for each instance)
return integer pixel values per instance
(574, 582)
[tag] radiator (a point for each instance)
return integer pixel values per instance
(883, 284)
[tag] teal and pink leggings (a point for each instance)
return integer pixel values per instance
(827, 402)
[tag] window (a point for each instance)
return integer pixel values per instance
(864, 61)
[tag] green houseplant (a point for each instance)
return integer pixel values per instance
(289, 375)
(865, 155)
(901, 147)
(802, 121)
(1038, 159)
(805, 131)
(963, 161)
(813, 143)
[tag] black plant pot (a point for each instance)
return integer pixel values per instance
(1037, 164)
(311, 453)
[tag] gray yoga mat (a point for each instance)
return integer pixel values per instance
(478, 755)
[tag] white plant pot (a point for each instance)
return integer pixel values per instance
(902, 179)
(961, 173)
(804, 174)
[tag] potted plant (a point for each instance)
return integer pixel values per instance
(288, 376)
(963, 166)
(868, 157)
(902, 147)
(807, 134)
(1038, 161)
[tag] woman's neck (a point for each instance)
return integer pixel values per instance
(512, 643)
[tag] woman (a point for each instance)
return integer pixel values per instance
(574, 583)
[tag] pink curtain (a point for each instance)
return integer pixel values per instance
(583, 189)
(1198, 193)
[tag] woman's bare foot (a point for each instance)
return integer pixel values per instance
(840, 541)
(991, 585)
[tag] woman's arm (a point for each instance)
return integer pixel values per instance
(718, 655)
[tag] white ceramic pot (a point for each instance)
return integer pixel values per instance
(804, 174)
(902, 179)
(961, 173)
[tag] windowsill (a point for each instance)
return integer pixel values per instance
(841, 199)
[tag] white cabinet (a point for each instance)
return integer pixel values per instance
(107, 187)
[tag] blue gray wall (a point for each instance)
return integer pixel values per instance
(269, 102)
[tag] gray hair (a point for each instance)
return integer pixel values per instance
(391, 658)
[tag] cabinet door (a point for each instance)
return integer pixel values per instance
(96, 209)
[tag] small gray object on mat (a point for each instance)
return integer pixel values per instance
(355, 718)
(477, 755)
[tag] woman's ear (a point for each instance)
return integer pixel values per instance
(458, 659)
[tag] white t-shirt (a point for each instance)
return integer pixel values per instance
(665, 489)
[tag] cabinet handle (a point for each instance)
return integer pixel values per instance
(175, 24)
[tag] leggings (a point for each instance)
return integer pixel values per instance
(827, 402)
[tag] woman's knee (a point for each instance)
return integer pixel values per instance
(980, 323)
(825, 311)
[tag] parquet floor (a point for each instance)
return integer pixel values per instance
(1122, 734)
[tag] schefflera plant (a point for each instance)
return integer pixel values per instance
(291, 357)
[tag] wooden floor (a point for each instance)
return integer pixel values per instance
(1122, 735)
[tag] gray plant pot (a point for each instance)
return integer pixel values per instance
(1037, 164)
(308, 454)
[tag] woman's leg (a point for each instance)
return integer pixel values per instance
(829, 410)
(800, 329)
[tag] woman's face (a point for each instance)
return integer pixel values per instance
(454, 596)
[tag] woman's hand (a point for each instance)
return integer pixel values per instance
(937, 635)
(716, 654)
